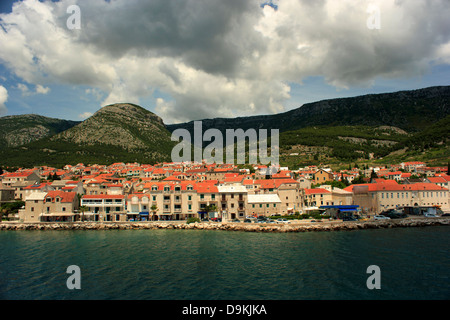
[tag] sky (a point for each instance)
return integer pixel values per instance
(194, 59)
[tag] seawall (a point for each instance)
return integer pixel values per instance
(246, 227)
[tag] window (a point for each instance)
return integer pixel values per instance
(32, 209)
(189, 198)
(213, 196)
(189, 188)
(253, 205)
(64, 209)
(189, 206)
(274, 205)
(166, 188)
(154, 188)
(154, 198)
(267, 205)
(260, 205)
(202, 196)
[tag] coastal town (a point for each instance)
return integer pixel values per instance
(124, 192)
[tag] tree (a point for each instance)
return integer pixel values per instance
(83, 209)
(11, 208)
(210, 208)
(154, 209)
(373, 175)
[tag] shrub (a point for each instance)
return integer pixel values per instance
(192, 220)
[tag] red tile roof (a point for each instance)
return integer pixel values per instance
(316, 191)
(65, 196)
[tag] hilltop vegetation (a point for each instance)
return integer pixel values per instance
(383, 128)
(20, 130)
(120, 132)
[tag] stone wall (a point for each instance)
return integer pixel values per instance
(247, 227)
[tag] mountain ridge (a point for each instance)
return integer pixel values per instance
(117, 132)
(329, 112)
(339, 128)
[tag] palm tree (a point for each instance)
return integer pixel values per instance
(154, 209)
(83, 209)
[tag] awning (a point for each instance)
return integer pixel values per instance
(143, 213)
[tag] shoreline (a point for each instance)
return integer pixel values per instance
(230, 226)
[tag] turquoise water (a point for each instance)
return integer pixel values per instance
(220, 265)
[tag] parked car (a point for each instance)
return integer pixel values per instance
(430, 215)
(248, 221)
(393, 214)
(282, 220)
(378, 217)
(349, 219)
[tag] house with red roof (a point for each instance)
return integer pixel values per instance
(51, 206)
(27, 176)
(388, 194)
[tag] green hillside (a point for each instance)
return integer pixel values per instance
(120, 132)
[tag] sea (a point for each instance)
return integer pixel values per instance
(404, 263)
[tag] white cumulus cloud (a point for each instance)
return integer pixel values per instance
(218, 58)
(3, 99)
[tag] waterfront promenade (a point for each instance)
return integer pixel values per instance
(294, 226)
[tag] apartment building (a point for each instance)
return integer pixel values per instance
(232, 201)
(263, 205)
(104, 207)
(380, 196)
(288, 191)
